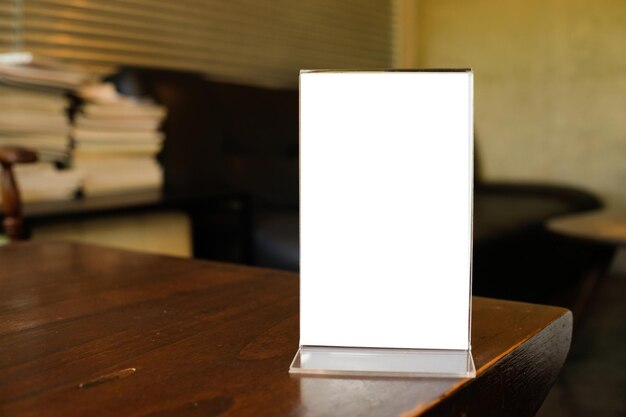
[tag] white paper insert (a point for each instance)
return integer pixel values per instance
(385, 207)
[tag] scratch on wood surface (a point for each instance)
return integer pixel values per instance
(108, 378)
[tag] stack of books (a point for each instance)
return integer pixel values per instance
(116, 140)
(34, 102)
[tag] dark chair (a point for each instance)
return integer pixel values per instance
(11, 201)
(234, 148)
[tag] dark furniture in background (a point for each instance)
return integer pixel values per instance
(234, 148)
(238, 147)
(515, 255)
(231, 162)
(103, 332)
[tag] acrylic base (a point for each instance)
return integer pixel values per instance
(331, 360)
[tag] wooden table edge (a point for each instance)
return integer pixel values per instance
(421, 409)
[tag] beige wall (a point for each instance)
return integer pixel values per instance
(550, 90)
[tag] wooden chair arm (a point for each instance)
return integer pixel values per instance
(11, 201)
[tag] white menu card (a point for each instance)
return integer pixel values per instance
(386, 208)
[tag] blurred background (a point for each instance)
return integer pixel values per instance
(172, 127)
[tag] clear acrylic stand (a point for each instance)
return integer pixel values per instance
(332, 360)
(384, 278)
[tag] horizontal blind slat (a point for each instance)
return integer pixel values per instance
(260, 42)
(149, 27)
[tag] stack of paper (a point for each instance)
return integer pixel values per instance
(41, 181)
(23, 69)
(116, 141)
(35, 119)
(34, 103)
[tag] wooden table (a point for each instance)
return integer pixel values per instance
(89, 331)
(605, 229)
(603, 226)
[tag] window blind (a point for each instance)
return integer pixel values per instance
(261, 42)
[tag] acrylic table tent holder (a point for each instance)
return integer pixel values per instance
(386, 176)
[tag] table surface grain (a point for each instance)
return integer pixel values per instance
(92, 331)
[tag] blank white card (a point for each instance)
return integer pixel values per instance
(385, 208)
